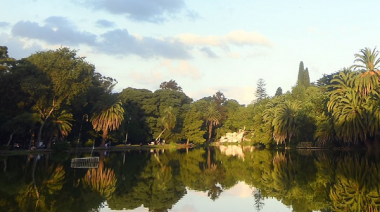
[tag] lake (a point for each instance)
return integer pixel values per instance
(223, 178)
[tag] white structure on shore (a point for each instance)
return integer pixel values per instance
(234, 137)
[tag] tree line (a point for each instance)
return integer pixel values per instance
(56, 95)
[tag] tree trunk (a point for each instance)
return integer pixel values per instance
(31, 139)
(104, 138)
(187, 142)
(368, 144)
(48, 143)
(208, 158)
(10, 138)
(209, 132)
(159, 136)
(43, 123)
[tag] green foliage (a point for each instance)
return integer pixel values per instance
(192, 126)
(171, 85)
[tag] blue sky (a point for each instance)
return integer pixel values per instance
(205, 46)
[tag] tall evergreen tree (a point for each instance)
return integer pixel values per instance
(301, 72)
(261, 92)
(278, 92)
(306, 78)
(303, 76)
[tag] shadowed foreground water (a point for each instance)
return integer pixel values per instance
(226, 178)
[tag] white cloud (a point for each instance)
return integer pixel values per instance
(208, 52)
(241, 37)
(152, 77)
(182, 69)
(237, 37)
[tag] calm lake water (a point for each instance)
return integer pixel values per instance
(226, 178)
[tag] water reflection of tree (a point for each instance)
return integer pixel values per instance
(156, 186)
(259, 203)
(211, 177)
(356, 185)
(40, 193)
(102, 181)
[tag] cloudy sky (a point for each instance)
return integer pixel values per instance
(205, 46)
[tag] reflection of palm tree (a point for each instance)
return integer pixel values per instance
(34, 197)
(108, 115)
(283, 173)
(356, 187)
(210, 177)
(101, 180)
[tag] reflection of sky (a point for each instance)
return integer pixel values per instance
(238, 198)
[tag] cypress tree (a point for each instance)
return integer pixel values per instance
(303, 76)
(301, 71)
(306, 80)
(278, 92)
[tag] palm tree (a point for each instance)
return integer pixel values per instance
(59, 125)
(356, 116)
(368, 79)
(284, 122)
(108, 115)
(212, 117)
(369, 60)
(168, 120)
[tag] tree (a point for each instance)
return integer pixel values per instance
(61, 77)
(219, 98)
(303, 76)
(368, 65)
(138, 106)
(171, 85)
(261, 92)
(192, 126)
(368, 60)
(212, 117)
(356, 116)
(59, 125)
(278, 92)
(20, 123)
(284, 122)
(306, 78)
(5, 61)
(108, 114)
(168, 121)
